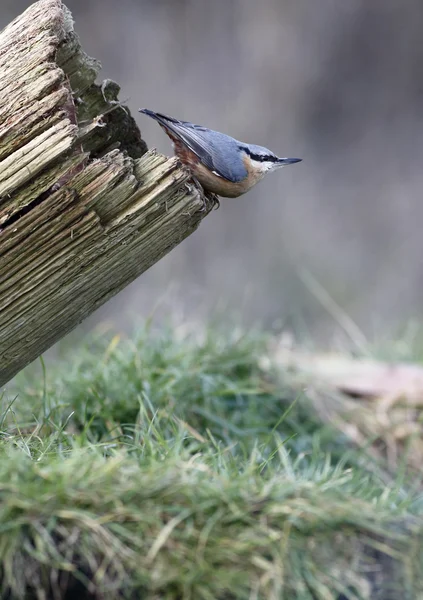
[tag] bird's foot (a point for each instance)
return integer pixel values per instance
(216, 201)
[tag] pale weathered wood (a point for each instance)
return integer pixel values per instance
(84, 208)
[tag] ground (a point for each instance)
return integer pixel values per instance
(162, 465)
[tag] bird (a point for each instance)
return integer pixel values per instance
(222, 165)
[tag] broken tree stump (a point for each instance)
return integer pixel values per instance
(84, 207)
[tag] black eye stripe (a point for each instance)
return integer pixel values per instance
(263, 157)
(260, 157)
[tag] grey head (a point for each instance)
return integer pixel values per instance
(220, 153)
(264, 159)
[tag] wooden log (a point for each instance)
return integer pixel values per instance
(84, 207)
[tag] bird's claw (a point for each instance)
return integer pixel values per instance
(216, 201)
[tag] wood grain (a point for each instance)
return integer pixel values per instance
(84, 207)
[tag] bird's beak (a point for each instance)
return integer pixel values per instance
(282, 162)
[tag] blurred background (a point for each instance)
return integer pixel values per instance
(337, 83)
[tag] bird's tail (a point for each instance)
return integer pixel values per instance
(159, 117)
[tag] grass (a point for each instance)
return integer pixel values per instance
(163, 466)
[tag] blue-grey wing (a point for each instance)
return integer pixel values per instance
(216, 151)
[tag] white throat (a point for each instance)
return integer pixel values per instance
(262, 167)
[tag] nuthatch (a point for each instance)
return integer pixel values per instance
(223, 165)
